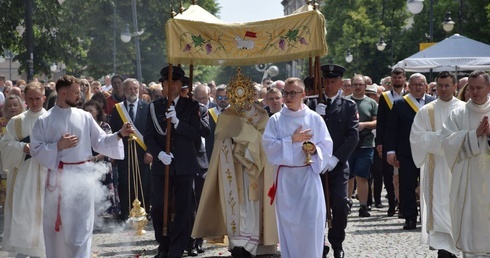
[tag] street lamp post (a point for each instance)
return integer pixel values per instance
(9, 55)
(268, 70)
(381, 45)
(29, 39)
(349, 57)
(416, 6)
(114, 41)
(448, 24)
(126, 37)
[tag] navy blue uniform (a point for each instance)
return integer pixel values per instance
(183, 168)
(342, 122)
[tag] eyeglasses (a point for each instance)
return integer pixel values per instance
(220, 97)
(292, 94)
(419, 85)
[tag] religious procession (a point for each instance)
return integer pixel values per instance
(318, 163)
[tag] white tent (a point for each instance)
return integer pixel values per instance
(456, 53)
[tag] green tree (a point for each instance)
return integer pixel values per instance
(152, 16)
(472, 22)
(81, 34)
(52, 42)
(357, 25)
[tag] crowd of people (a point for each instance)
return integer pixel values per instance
(282, 165)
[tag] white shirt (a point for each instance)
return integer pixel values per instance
(135, 103)
(106, 87)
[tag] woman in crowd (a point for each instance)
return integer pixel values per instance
(13, 106)
(464, 94)
(86, 89)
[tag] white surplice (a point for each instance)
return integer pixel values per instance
(23, 231)
(76, 182)
(435, 176)
(300, 202)
(468, 156)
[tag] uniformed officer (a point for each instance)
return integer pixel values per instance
(186, 130)
(342, 121)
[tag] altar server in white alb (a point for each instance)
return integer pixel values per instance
(435, 176)
(299, 198)
(62, 140)
(23, 230)
(466, 145)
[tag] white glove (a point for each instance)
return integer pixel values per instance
(165, 158)
(331, 163)
(173, 115)
(320, 109)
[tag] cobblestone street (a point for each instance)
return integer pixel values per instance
(377, 237)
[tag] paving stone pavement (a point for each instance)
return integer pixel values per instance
(375, 237)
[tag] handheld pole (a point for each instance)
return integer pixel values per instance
(167, 150)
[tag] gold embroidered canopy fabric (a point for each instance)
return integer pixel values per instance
(208, 41)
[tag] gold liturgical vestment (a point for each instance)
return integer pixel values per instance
(237, 150)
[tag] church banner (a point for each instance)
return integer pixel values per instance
(296, 36)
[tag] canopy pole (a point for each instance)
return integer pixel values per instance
(317, 81)
(191, 76)
(166, 189)
(310, 68)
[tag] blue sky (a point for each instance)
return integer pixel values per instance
(249, 10)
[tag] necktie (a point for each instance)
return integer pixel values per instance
(131, 111)
(418, 100)
(329, 102)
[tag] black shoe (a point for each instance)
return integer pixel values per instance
(191, 252)
(338, 252)
(349, 205)
(240, 252)
(445, 254)
(199, 249)
(400, 215)
(391, 211)
(369, 207)
(378, 205)
(326, 249)
(162, 254)
(409, 225)
(363, 212)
